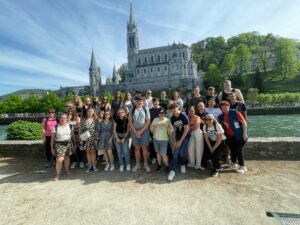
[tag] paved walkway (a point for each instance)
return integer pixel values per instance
(28, 196)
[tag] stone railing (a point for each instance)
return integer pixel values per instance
(255, 149)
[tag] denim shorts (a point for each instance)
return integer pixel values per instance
(160, 146)
(143, 141)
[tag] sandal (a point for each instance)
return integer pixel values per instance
(56, 177)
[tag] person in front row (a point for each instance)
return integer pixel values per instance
(159, 127)
(61, 145)
(180, 122)
(214, 138)
(139, 121)
(235, 128)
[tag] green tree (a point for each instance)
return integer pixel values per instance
(51, 100)
(287, 64)
(122, 71)
(14, 104)
(31, 104)
(258, 80)
(228, 65)
(241, 56)
(213, 77)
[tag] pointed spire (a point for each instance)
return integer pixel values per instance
(114, 75)
(131, 21)
(93, 60)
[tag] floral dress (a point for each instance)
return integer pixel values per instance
(93, 128)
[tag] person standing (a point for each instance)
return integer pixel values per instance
(48, 124)
(180, 122)
(223, 95)
(154, 113)
(89, 128)
(163, 101)
(235, 128)
(239, 106)
(148, 100)
(121, 138)
(139, 121)
(116, 104)
(196, 142)
(210, 93)
(159, 127)
(105, 140)
(177, 100)
(196, 99)
(61, 145)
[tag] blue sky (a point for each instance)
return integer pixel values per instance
(47, 43)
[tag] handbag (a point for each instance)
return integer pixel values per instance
(84, 136)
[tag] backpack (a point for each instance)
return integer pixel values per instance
(144, 108)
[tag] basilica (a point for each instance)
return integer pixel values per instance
(160, 68)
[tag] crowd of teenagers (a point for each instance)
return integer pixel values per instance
(141, 130)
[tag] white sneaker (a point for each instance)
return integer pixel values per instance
(128, 167)
(153, 161)
(121, 168)
(228, 159)
(95, 168)
(191, 165)
(88, 169)
(182, 169)
(147, 168)
(233, 166)
(73, 165)
(112, 167)
(241, 169)
(199, 168)
(136, 167)
(171, 175)
(81, 165)
(106, 167)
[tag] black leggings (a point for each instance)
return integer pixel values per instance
(215, 156)
(236, 147)
(48, 148)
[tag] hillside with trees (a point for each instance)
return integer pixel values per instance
(221, 59)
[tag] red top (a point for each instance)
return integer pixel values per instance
(228, 130)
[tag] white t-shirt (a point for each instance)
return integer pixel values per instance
(63, 133)
(212, 133)
(215, 111)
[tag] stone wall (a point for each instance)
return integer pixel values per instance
(255, 149)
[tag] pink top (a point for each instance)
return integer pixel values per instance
(48, 127)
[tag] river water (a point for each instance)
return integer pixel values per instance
(259, 126)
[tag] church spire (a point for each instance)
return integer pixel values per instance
(93, 60)
(114, 75)
(131, 21)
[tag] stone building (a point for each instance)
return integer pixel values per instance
(167, 67)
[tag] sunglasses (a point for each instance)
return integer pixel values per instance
(208, 119)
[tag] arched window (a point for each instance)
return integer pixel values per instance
(145, 60)
(158, 69)
(151, 59)
(166, 58)
(158, 58)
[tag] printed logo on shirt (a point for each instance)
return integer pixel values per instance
(179, 125)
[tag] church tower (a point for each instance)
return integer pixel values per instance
(132, 41)
(95, 76)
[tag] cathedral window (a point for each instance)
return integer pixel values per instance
(158, 58)
(183, 55)
(145, 60)
(151, 69)
(166, 58)
(165, 68)
(139, 61)
(144, 70)
(151, 59)
(158, 69)
(138, 71)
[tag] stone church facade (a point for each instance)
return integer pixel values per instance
(160, 68)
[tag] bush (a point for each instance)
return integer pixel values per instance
(24, 130)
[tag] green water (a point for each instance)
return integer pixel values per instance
(274, 125)
(259, 126)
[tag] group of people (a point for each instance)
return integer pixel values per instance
(160, 131)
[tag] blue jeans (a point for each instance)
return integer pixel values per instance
(123, 150)
(179, 153)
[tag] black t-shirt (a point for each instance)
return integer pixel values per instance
(179, 123)
(195, 101)
(154, 113)
(121, 125)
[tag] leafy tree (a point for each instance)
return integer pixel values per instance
(51, 100)
(31, 104)
(213, 77)
(287, 64)
(241, 56)
(228, 65)
(14, 104)
(69, 97)
(122, 71)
